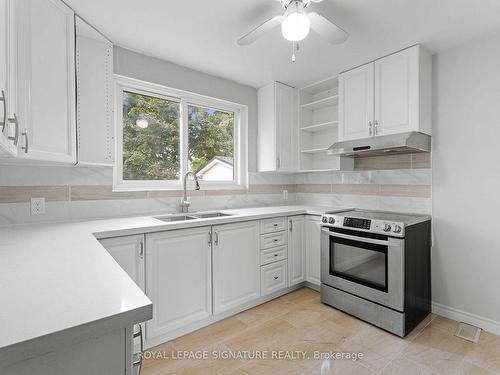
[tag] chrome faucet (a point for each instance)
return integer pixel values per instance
(184, 202)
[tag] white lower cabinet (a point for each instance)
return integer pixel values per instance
(313, 249)
(296, 250)
(128, 251)
(236, 262)
(179, 279)
(273, 277)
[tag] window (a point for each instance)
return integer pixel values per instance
(162, 133)
(211, 143)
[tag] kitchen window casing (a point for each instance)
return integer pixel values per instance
(236, 114)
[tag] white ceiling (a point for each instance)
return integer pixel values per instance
(202, 34)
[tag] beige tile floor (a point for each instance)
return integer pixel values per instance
(299, 322)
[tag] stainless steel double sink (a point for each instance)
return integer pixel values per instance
(194, 216)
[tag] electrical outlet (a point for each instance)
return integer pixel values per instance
(285, 195)
(37, 206)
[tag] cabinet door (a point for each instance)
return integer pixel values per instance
(284, 97)
(356, 103)
(397, 92)
(236, 265)
(128, 251)
(296, 250)
(178, 279)
(313, 249)
(45, 31)
(7, 93)
(277, 131)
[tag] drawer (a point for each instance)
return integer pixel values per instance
(273, 277)
(272, 225)
(272, 240)
(273, 255)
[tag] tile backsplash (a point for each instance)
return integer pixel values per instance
(397, 183)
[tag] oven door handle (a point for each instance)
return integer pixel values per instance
(359, 239)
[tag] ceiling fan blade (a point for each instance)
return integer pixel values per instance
(327, 29)
(256, 33)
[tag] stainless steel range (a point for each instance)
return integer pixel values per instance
(376, 266)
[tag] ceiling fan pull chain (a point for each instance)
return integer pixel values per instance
(293, 51)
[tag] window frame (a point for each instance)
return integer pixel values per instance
(185, 98)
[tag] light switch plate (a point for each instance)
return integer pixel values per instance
(37, 206)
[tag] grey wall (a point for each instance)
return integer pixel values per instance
(466, 179)
(146, 68)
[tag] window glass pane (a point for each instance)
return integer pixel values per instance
(211, 143)
(150, 138)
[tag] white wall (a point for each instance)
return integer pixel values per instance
(466, 182)
(146, 68)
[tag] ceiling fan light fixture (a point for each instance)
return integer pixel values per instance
(296, 24)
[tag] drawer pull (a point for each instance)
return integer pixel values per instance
(275, 225)
(276, 255)
(275, 240)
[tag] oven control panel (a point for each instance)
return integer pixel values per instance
(390, 228)
(353, 222)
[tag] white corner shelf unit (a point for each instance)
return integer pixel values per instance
(318, 127)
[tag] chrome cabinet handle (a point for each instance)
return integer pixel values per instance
(216, 241)
(210, 238)
(138, 361)
(370, 127)
(2, 123)
(14, 121)
(26, 145)
(141, 250)
(375, 127)
(278, 163)
(291, 226)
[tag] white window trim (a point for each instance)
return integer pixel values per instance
(240, 165)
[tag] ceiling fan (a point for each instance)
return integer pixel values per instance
(296, 23)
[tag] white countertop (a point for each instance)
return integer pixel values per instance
(58, 279)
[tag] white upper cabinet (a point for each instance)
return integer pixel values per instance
(45, 35)
(94, 81)
(277, 138)
(236, 265)
(391, 95)
(403, 92)
(296, 250)
(356, 103)
(7, 85)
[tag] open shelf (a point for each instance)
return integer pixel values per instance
(315, 150)
(318, 127)
(321, 86)
(321, 103)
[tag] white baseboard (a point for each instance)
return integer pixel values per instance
(462, 316)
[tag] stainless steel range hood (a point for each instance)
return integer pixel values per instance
(402, 143)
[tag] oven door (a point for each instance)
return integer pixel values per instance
(366, 265)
